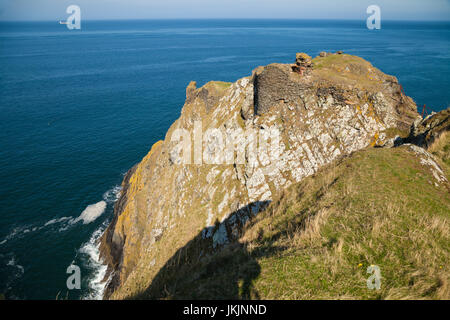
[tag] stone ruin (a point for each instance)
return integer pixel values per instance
(303, 63)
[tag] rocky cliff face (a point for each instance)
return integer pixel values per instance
(235, 147)
(425, 132)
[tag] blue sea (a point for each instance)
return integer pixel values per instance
(78, 108)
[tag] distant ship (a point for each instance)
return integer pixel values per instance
(62, 22)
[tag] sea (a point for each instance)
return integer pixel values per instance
(78, 108)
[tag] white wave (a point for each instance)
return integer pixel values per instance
(91, 213)
(112, 195)
(53, 221)
(16, 232)
(65, 227)
(98, 282)
(13, 263)
(21, 230)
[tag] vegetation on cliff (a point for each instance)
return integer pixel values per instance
(378, 206)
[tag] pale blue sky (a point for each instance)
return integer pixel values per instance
(162, 9)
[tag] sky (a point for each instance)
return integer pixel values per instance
(203, 9)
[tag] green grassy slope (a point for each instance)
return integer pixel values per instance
(375, 207)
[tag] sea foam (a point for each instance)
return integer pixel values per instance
(91, 213)
(97, 282)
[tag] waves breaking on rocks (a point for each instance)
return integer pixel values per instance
(91, 249)
(97, 281)
(89, 253)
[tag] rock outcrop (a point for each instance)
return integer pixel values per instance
(214, 172)
(424, 132)
(303, 63)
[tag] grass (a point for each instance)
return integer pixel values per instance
(218, 85)
(375, 207)
(349, 70)
(441, 148)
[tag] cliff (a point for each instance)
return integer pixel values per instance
(235, 149)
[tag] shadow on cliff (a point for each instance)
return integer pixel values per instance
(200, 271)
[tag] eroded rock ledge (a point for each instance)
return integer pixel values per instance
(335, 105)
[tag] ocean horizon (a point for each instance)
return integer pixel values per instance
(236, 19)
(80, 107)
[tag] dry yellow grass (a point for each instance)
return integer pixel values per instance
(317, 239)
(441, 148)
